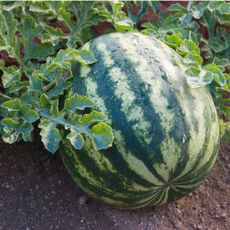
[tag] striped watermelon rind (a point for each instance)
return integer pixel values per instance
(166, 133)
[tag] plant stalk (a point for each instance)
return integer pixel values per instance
(5, 96)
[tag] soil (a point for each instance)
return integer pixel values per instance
(36, 192)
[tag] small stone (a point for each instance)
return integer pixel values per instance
(178, 225)
(177, 205)
(82, 199)
(223, 215)
(178, 210)
(223, 205)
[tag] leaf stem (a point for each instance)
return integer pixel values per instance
(189, 6)
(5, 96)
(49, 86)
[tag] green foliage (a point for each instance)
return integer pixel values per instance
(36, 89)
(42, 39)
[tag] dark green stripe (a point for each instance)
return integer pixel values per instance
(180, 126)
(176, 194)
(193, 172)
(147, 154)
(157, 200)
(99, 192)
(197, 175)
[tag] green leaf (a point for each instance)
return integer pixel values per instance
(9, 135)
(59, 88)
(8, 40)
(214, 5)
(28, 114)
(53, 35)
(123, 25)
(44, 101)
(54, 110)
(185, 20)
(10, 76)
(78, 102)
(217, 44)
(17, 87)
(19, 128)
(64, 57)
(85, 57)
(208, 77)
(224, 8)
(193, 59)
(36, 81)
(23, 110)
(10, 25)
(210, 22)
(50, 135)
(3, 112)
(12, 105)
(204, 78)
(41, 8)
(223, 19)
(218, 76)
(66, 18)
(142, 6)
(188, 46)
(117, 6)
(76, 139)
(102, 136)
(193, 71)
(220, 79)
(197, 10)
(92, 117)
(42, 50)
(213, 68)
(173, 40)
(29, 31)
(178, 8)
(225, 130)
(30, 97)
(221, 62)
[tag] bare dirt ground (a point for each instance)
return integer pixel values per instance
(36, 192)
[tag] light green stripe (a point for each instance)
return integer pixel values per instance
(197, 138)
(169, 148)
(127, 97)
(135, 164)
(91, 91)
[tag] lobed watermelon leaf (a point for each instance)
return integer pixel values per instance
(50, 135)
(102, 137)
(42, 97)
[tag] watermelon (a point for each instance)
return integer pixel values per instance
(166, 133)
